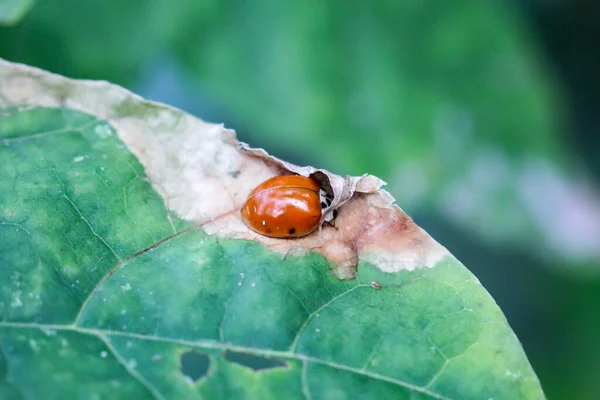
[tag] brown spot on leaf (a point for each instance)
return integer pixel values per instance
(368, 230)
(375, 285)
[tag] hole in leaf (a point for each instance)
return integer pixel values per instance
(255, 362)
(194, 365)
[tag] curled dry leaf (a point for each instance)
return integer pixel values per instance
(369, 226)
(204, 175)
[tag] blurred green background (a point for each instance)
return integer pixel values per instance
(482, 117)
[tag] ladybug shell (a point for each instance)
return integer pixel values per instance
(284, 207)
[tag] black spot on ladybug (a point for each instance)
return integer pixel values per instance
(268, 230)
(292, 231)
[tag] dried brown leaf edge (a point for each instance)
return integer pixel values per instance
(204, 175)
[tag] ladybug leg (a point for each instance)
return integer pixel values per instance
(331, 222)
(326, 200)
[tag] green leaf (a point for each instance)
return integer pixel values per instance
(12, 11)
(112, 288)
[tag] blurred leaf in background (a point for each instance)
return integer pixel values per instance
(456, 106)
(12, 11)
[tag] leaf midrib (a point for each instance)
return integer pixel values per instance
(212, 345)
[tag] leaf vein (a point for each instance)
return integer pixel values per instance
(223, 346)
(155, 393)
(305, 387)
(40, 135)
(117, 266)
(312, 315)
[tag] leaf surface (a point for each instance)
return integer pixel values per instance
(125, 271)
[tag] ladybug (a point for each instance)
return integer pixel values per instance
(286, 206)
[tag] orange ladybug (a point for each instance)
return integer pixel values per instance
(285, 206)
